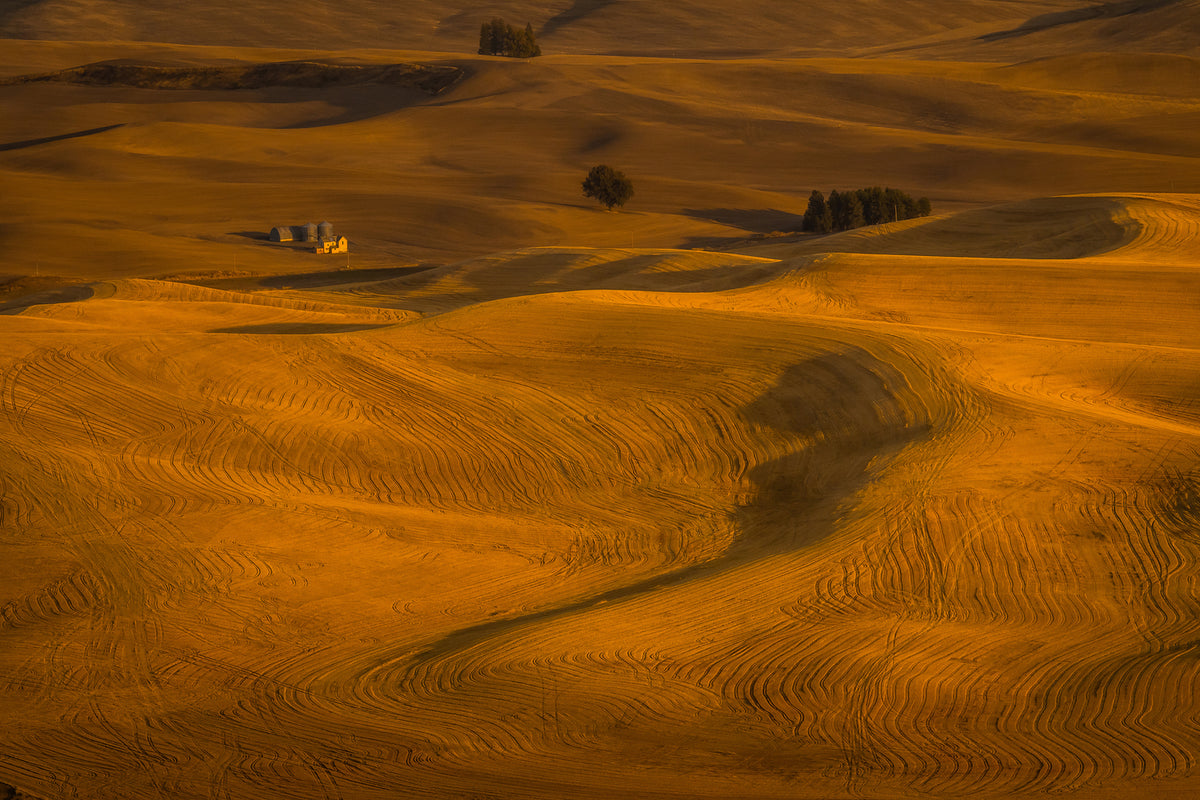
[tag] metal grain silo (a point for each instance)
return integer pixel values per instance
(309, 232)
(324, 231)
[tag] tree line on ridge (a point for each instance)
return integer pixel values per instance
(853, 209)
(498, 38)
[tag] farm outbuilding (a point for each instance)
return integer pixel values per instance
(320, 235)
(338, 245)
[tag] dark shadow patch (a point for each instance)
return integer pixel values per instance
(260, 236)
(755, 220)
(798, 497)
(1058, 19)
(734, 243)
(352, 92)
(338, 277)
(600, 140)
(301, 328)
(429, 79)
(630, 273)
(60, 137)
(578, 10)
(66, 294)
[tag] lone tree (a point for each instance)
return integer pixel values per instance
(608, 185)
(498, 38)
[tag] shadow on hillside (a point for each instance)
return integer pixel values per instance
(1056, 19)
(633, 273)
(755, 220)
(726, 243)
(842, 407)
(301, 328)
(325, 94)
(60, 137)
(578, 10)
(337, 277)
(259, 236)
(67, 294)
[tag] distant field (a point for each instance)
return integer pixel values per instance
(527, 499)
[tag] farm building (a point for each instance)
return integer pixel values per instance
(321, 235)
(338, 245)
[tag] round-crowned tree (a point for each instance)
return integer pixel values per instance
(608, 185)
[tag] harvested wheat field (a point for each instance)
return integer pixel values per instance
(526, 499)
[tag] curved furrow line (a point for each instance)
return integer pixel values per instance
(1053, 739)
(1168, 228)
(1052, 611)
(827, 661)
(35, 392)
(165, 291)
(1176, 721)
(1128, 753)
(300, 450)
(969, 529)
(107, 389)
(857, 739)
(22, 506)
(1030, 560)
(730, 445)
(309, 394)
(913, 745)
(1148, 751)
(517, 447)
(749, 677)
(951, 717)
(486, 681)
(525, 478)
(238, 462)
(74, 743)
(178, 484)
(1151, 566)
(618, 689)
(908, 716)
(984, 761)
(29, 379)
(980, 579)
(1066, 585)
(75, 595)
(841, 592)
(331, 459)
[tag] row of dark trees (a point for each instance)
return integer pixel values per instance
(498, 38)
(846, 210)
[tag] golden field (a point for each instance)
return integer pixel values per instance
(527, 499)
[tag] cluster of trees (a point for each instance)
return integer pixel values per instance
(498, 38)
(846, 210)
(608, 185)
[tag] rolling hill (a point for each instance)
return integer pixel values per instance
(526, 499)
